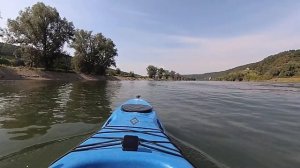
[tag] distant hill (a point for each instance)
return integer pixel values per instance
(283, 65)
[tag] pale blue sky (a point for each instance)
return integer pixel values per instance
(189, 36)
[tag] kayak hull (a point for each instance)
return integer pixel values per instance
(107, 147)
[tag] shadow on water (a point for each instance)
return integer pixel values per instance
(37, 112)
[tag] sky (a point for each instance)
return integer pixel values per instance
(187, 36)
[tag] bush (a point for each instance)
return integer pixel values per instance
(4, 61)
(18, 62)
(78, 64)
(289, 69)
(131, 74)
(273, 72)
(118, 71)
(111, 72)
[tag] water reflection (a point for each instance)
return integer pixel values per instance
(29, 111)
(64, 95)
(87, 103)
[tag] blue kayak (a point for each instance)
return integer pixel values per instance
(132, 137)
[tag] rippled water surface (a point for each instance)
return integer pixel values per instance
(241, 125)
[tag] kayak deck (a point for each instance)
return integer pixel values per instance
(106, 148)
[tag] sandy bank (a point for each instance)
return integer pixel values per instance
(24, 73)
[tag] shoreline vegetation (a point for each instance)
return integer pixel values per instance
(281, 67)
(26, 73)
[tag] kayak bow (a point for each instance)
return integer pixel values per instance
(132, 137)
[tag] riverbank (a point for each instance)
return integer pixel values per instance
(273, 80)
(25, 73)
(286, 80)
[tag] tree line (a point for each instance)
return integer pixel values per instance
(164, 74)
(41, 35)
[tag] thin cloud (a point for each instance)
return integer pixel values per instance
(200, 55)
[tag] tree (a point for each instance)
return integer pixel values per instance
(151, 70)
(172, 74)
(177, 76)
(166, 74)
(93, 53)
(40, 29)
(31, 56)
(160, 73)
(131, 74)
(118, 71)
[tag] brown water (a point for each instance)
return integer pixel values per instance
(237, 124)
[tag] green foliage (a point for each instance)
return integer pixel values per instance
(93, 53)
(18, 62)
(31, 56)
(131, 74)
(284, 64)
(177, 76)
(4, 61)
(290, 69)
(118, 71)
(166, 74)
(11, 54)
(172, 74)
(41, 33)
(111, 72)
(63, 63)
(151, 70)
(7, 49)
(246, 75)
(79, 64)
(160, 73)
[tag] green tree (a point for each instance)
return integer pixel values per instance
(172, 74)
(131, 74)
(40, 29)
(177, 76)
(31, 56)
(160, 73)
(93, 53)
(166, 74)
(118, 71)
(151, 70)
(289, 69)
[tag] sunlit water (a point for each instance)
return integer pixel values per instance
(241, 125)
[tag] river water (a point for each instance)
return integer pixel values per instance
(240, 125)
